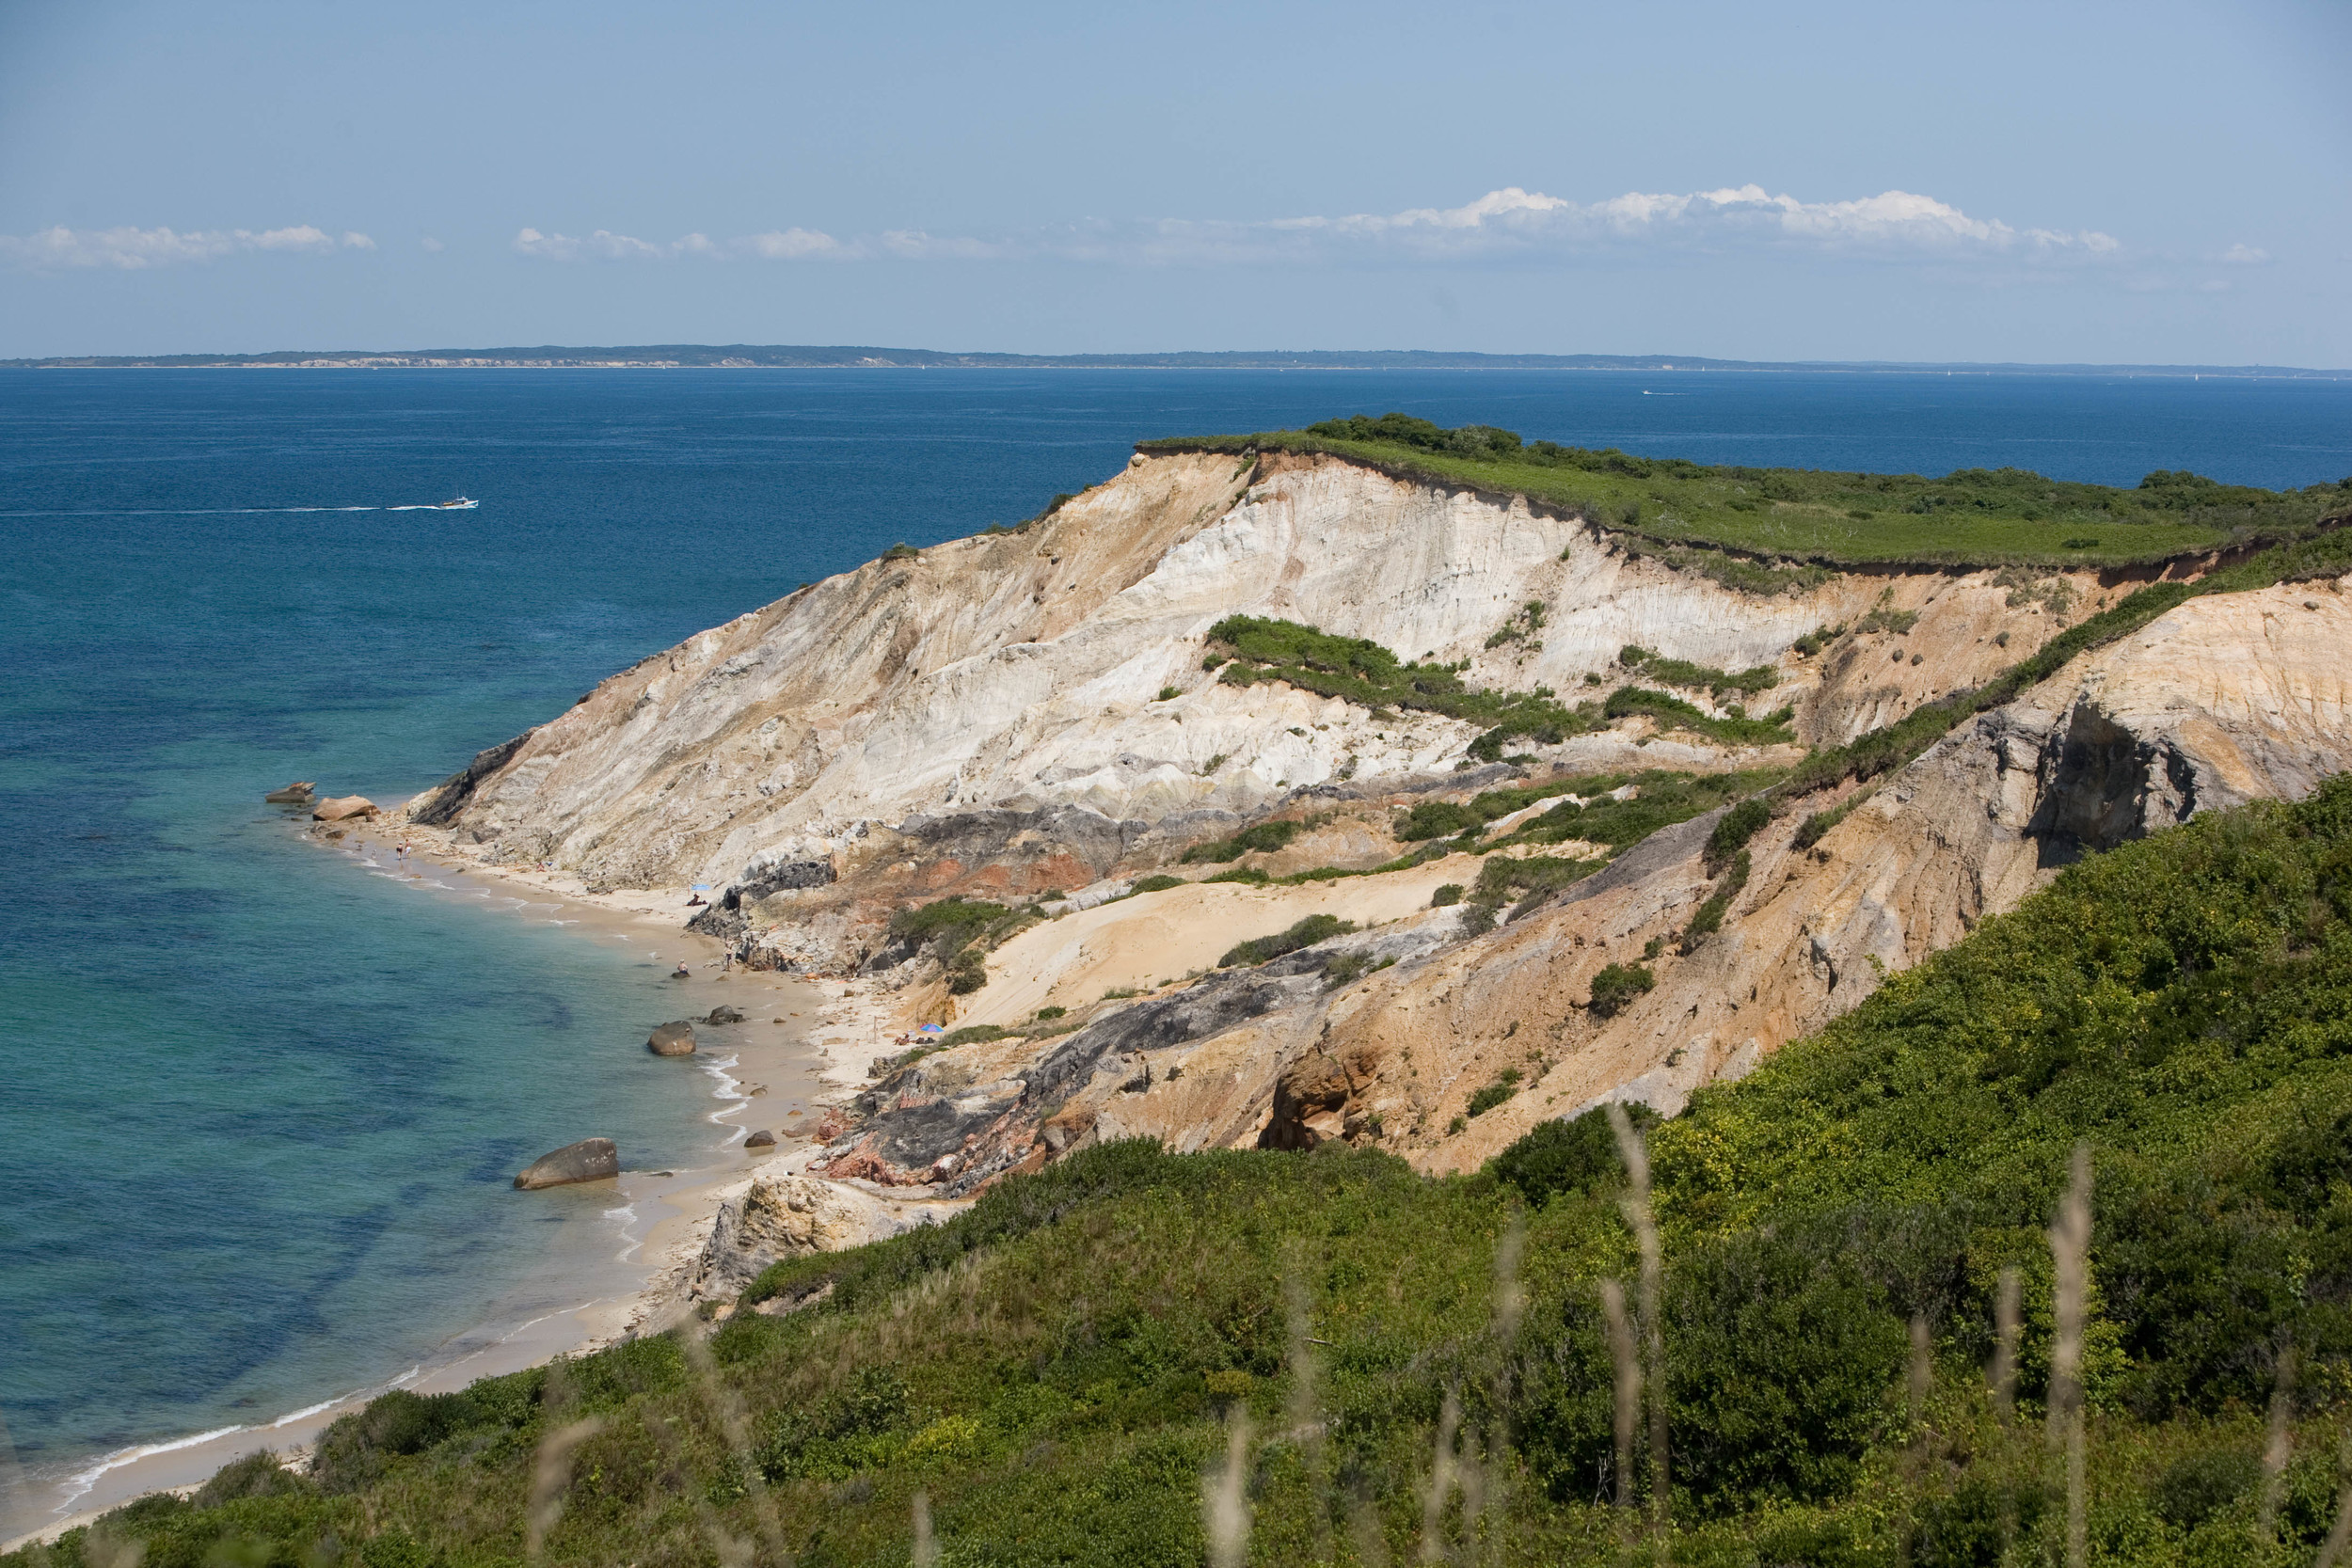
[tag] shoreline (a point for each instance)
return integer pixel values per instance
(616, 1269)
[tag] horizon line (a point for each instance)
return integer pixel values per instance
(855, 356)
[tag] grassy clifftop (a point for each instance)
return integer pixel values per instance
(1976, 517)
(1366, 1366)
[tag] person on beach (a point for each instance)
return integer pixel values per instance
(680, 972)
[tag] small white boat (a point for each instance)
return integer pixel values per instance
(460, 504)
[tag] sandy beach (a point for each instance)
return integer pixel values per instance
(622, 1260)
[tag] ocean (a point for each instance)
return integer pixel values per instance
(262, 1104)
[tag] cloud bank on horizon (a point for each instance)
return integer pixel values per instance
(1502, 225)
(130, 249)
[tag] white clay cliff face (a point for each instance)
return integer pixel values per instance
(1024, 671)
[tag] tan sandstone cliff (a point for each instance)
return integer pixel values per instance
(987, 719)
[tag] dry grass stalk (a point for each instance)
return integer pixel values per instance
(1303, 1408)
(1638, 1214)
(2331, 1550)
(1224, 1496)
(2070, 1257)
(550, 1477)
(2278, 1449)
(1364, 1530)
(726, 1408)
(1441, 1480)
(926, 1545)
(1922, 1367)
(1510, 1309)
(2008, 1318)
(1628, 1403)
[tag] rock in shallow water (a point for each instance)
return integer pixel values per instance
(724, 1014)
(588, 1160)
(344, 806)
(672, 1039)
(761, 1139)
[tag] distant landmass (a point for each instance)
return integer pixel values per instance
(804, 356)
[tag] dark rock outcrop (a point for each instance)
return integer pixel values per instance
(439, 807)
(588, 1160)
(724, 1014)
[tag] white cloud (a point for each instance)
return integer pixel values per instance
(2243, 255)
(1501, 225)
(605, 246)
(432, 245)
(130, 249)
(1894, 224)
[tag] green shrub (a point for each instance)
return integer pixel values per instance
(1169, 695)
(1262, 837)
(1698, 677)
(1574, 1155)
(1248, 875)
(953, 917)
(1675, 714)
(1303, 933)
(1503, 1088)
(1159, 884)
(2199, 1485)
(1816, 825)
(1618, 985)
(1447, 893)
(966, 974)
(1435, 819)
(1046, 1014)
(1709, 919)
(1478, 920)
(1740, 824)
(259, 1474)
(901, 553)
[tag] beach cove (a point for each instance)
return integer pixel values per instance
(613, 1257)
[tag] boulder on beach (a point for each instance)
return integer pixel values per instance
(343, 806)
(672, 1039)
(298, 794)
(588, 1160)
(724, 1014)
(761, 1139)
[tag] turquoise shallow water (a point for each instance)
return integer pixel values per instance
(259, 1108)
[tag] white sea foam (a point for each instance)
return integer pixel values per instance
(78, 1484)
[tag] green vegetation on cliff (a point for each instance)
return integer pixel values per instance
(1058, 1375)
(1973, 517)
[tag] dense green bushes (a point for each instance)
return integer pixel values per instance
(1974, 517)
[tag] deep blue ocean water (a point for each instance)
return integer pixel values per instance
(258, 1108)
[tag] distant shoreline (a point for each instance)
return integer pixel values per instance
(790, 356)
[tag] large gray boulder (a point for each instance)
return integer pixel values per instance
(672, 1039)
(588, 1160)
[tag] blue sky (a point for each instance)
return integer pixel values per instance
(2143, 182)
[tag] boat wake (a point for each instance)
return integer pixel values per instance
(460, 504)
